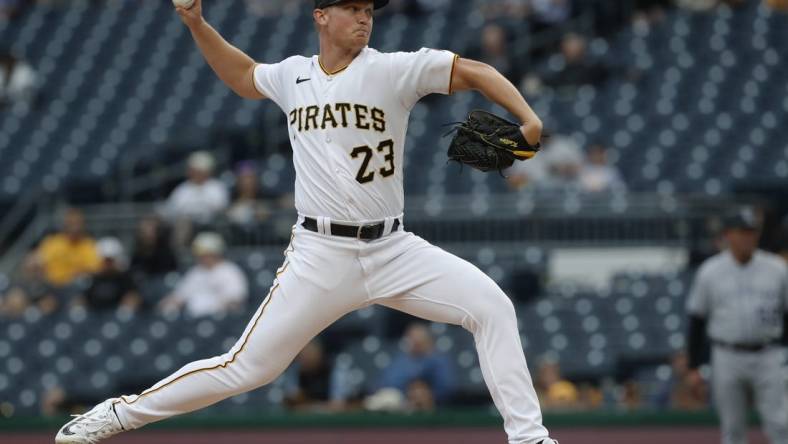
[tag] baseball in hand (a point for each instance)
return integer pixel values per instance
(183, 3)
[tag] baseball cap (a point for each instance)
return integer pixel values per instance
(741, 219)
(110, 248)
(320, 4)
(207, 243)
(202, 161)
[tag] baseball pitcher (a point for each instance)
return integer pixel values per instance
(347, 112)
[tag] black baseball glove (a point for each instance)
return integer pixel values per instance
(489, 143)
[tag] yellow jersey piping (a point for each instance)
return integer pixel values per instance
(323, 68)
(451, 76)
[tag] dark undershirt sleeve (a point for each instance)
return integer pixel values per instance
(785, 329)
(695, 340)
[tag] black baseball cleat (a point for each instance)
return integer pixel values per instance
(548, 441)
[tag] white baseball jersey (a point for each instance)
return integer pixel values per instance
(743, 303)
(347, 129)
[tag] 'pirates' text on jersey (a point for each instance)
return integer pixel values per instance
(348, 128)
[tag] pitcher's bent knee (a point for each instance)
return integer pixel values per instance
(493, 308)
(504, 311)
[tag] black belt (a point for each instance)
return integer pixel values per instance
(362, 232)
(749, 348)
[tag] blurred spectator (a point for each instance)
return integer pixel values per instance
(555, 393)
(201, 196)
(30, 288)
(648, 13)
(310, 382)
(17, 79)
(777, 5)
(257, 210)
(556, 168)
(213, 286)
(549, 13)
(9, 8)
(69, 253)
(523, 174)
(495, 10)
(495, 52)
(199, 199)
(578, 68)
(563, 171)
(569, 69)
(564, 161)
(631, 396)
(420, 397)
(112, 287)
(423, 376)
(590, 397)
(247, 210)
(56, 401)
(153, 254)
(597, 174)
(680, 392)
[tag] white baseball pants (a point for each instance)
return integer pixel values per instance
(734, 375)
(323, 278)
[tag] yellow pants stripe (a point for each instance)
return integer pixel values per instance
(268, 298)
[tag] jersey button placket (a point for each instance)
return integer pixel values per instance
(327, 100)
(745, 298)
(328, 89)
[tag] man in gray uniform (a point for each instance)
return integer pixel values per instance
(740, 299)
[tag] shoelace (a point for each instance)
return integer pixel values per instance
(86, 419)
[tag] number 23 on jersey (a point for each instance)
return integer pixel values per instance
(366, 154)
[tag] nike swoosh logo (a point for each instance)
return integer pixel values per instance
(67, 430)
(299, 80)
